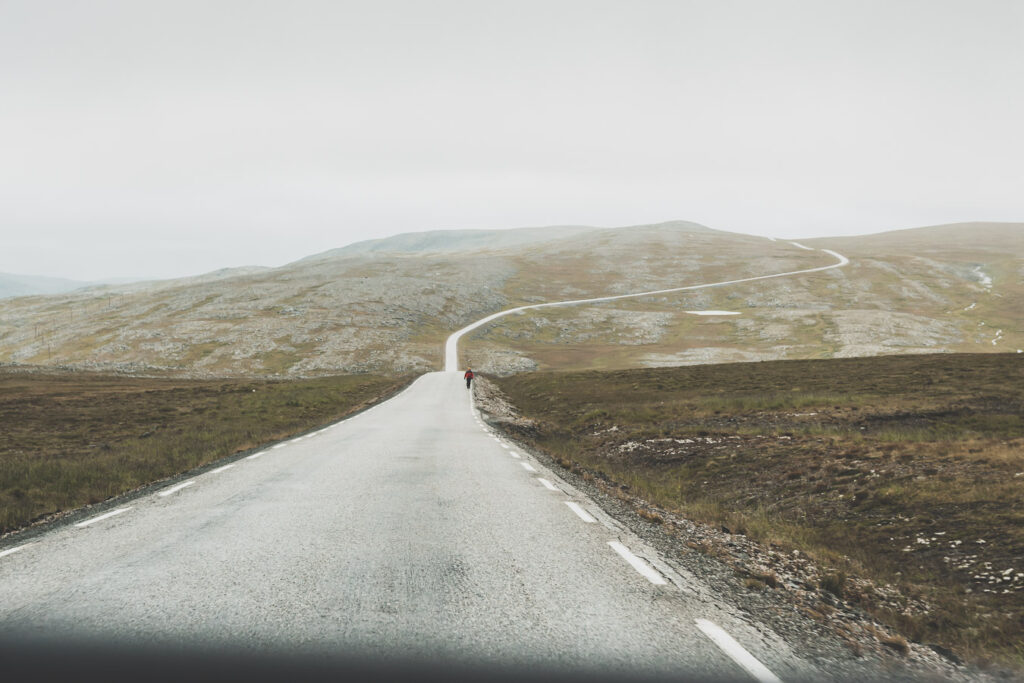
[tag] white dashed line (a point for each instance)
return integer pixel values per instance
(221, 469)
(112, 513)
(527, 466)
(513, 454)
(729, 646)
(254, 455)
(11, 551)
(581, 513)
(280, 445)
(642, 567)
(504, 445)
(547, 484)
(175, 489)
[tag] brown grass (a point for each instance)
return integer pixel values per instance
(905, 470)
(71, 439)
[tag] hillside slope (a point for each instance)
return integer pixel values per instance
(939, 289)
(387, 305)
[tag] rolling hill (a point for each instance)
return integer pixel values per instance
(387, 305)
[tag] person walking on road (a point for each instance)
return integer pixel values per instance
(468, 377)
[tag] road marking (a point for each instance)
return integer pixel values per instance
(645, 569)
(11, 551)
(221, 469)
(254, 455)
(527, 466)
(175, 489)
(112, 513)
(547, 484)
(729, 646)
(280, 445)
(581, 513)
(504, 445)
(513, 454)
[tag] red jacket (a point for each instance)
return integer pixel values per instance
(468, 375)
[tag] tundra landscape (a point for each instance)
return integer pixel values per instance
(574, 341)
(387, 306)
(865, 471)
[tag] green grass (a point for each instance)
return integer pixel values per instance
(71, 439)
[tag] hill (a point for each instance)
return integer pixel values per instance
(387, 305)
(936, 289)
(23, 285)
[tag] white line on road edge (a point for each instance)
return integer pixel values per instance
(280, 445)
(729, 646)
(504, 445)
(254, 455)
(581, 513)
(11, 551)
(175, 489)
(645, 569)
(527, 466)
(547, 484)
(513, 454)
(112, 513)
(221, 469)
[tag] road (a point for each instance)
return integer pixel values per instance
(451, 349)
(409, 530)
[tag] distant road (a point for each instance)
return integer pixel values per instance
(451, 349)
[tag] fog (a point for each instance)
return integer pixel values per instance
(159, 139)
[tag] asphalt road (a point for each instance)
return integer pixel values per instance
(409, 530)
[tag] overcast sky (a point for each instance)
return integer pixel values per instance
(157, 139)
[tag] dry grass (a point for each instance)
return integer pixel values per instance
(70, 439)
(904, 470)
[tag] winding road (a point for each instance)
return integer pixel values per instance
(409, 530)
(451, 348)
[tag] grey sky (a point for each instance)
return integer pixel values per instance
(157, 139)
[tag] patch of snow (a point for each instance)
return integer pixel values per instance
(714, 312)
(971, 306)
(983, 277)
